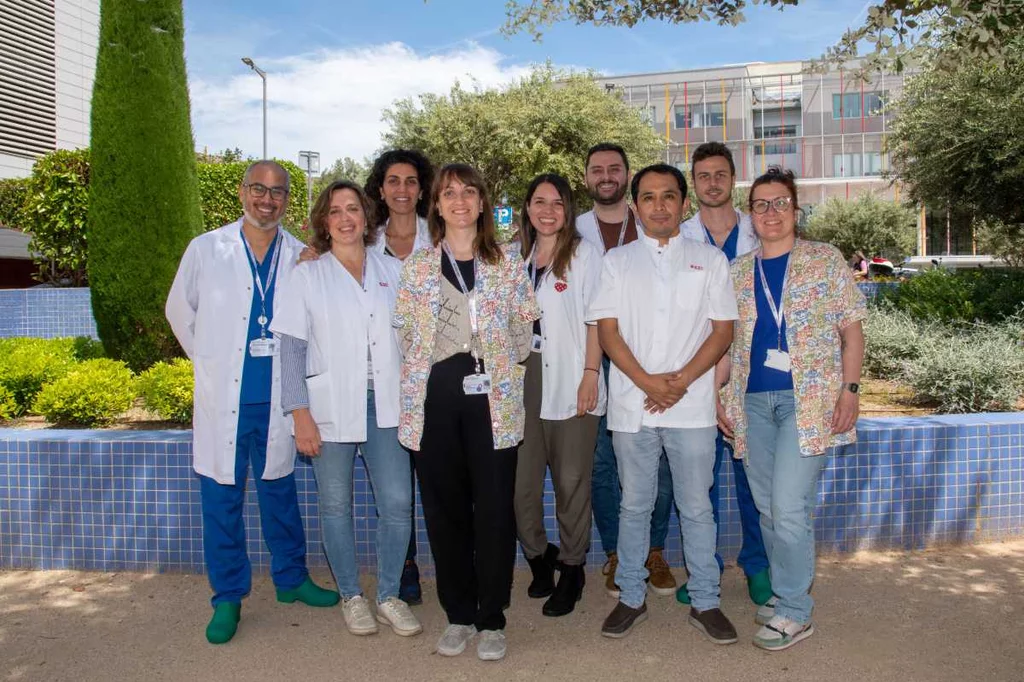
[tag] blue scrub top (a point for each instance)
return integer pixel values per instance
(729, 247)
(258, 372)
(766, 331)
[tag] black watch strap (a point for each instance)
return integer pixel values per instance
(852, 387)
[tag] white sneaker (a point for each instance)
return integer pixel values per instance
(766, 611)
(358, 617)
(453, 641)
(781, 633)
(491, 646)
(396, 613)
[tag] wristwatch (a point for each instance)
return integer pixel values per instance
(852, 388)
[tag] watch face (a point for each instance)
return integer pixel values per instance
(853, 388)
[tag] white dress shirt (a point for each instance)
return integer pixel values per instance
(664, 299)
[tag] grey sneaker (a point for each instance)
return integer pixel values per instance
(781, 633)
(766, 611)
(396, 613)
(358, 617)
(453, 641)
(491, 646)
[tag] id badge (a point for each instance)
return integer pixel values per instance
(538, 344)
(477, 384)
(263, 348)
(777, 359)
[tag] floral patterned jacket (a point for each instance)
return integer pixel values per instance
(505, 300)
(820, 299)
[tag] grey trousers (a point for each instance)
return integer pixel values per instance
(567, 447)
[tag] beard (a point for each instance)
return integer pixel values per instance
(265, 225)
(722, 200)
(615, 198)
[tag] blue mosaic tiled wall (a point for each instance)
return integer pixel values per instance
(46, 313)
(129, 500)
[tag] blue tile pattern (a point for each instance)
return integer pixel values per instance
(46, 313)
(127, 500)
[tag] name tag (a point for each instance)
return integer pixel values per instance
(538, 343)
(263, 348)
(777, 359)
(477, 384)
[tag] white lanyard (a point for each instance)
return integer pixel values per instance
(274, 253)
(531, 267)
(625, 224)
(471, 295)
(778, 312)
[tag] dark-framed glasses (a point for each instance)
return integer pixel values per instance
(780, 204)
(260, 191)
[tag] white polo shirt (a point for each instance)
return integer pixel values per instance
(664, 298)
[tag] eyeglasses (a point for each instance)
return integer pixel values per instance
(780, 204)
(259, 191)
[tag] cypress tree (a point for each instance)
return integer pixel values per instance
(144, 193)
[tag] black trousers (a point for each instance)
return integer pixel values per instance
(467, 490)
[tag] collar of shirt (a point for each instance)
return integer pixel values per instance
(653, 243)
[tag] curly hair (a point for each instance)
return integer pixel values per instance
(775, 175)
(321, 237)
(374, 183)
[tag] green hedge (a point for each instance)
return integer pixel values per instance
(167, 389)
(8, 408)
(93, 393)
(26, 365)
(964, 296)
(13, 192)
(218, 190)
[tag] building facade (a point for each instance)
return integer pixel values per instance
(47, 66)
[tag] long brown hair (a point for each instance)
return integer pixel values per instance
(568, 237)
(321, 237)
(486, 243)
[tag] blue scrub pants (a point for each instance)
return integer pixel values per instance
(753, 557)
(227, 562)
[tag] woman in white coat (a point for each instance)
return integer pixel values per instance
(563, 393)
(340, 365)
(398, 185)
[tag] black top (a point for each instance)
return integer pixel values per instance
(537, 277)
(465, 266)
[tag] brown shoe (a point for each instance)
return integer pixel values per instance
(609, 572)
(714, 625)
(661, 582)
(621, 620)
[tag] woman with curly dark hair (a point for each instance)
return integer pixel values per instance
(398, 185)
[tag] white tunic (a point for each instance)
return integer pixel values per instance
(208, 309)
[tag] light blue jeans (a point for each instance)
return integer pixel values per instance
(784, 485)
(387, 465)
(691, 459)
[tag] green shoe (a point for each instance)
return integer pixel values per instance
(683, 595)
(759, 587)
(224, 623)
(309, 593)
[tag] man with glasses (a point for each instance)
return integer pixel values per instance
(220, 306)
(721, 225)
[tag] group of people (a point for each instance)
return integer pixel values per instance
(617, 349)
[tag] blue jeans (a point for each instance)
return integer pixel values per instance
(691, 456)
(784, 485)
(606, 493)
(387, 465)
(753, 557)
(227, 562)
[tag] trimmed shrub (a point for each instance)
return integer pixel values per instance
(55, 211)
(13, 192)
(937, 295)
(27, 364)
(144, 195)
(92, 393)
(85, 348)
(8, 408)
(218, 191)
(167, 389)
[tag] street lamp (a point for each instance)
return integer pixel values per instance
(312, 167)
(263, 75)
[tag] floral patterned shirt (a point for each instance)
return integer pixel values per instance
(820, 299)
(505, 301)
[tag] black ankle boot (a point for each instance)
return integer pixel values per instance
(543, 568)
(568, 591)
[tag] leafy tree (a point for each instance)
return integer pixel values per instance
(898, 31)
(13, 192)
(545, 122)
(55, 210)
(1003, 240)
(144, 196)
(346, 168)
(875, 226)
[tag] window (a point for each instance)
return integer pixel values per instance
(697, 116)
(848, 105)
(774, 131)
(775, 149)
(856, 164)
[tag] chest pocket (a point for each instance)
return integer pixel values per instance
(689, 289)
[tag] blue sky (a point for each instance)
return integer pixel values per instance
(334, 66)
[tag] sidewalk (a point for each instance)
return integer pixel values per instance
(954, 614)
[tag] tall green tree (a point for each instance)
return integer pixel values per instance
(544, 123)
(345, 168)
(878, 227)
(144, 196)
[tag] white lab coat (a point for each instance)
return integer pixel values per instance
(323, 305)
(422, 241)
(208, 309)
(563, 307)
(746, 241)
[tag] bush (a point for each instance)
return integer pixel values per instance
(27, 364)
(8, 408)
(892, 339)
(92, 393)
(987, 295)
(167, 389)
(13, 192)
(875, 226)
(978, 371)
(55, 212)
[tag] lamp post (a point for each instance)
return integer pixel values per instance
(312, 168)
(263, 75)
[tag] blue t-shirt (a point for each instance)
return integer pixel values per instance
(729, 247)
(257, 372)
(766, 331)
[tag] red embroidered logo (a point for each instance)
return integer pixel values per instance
(561, 286)
(383, 284)
(696, 267)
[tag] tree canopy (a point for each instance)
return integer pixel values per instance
(877, 227)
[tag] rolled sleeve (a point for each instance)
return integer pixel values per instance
(721, 295)
(604, 303)
(290, 315)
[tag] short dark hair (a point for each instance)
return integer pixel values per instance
(709, 150)
(775, 175)
(607, 147)
(661, 169)
(321, 239)
(424, 171)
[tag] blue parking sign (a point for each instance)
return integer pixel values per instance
(503, 217)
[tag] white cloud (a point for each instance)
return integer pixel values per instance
(331, 101)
